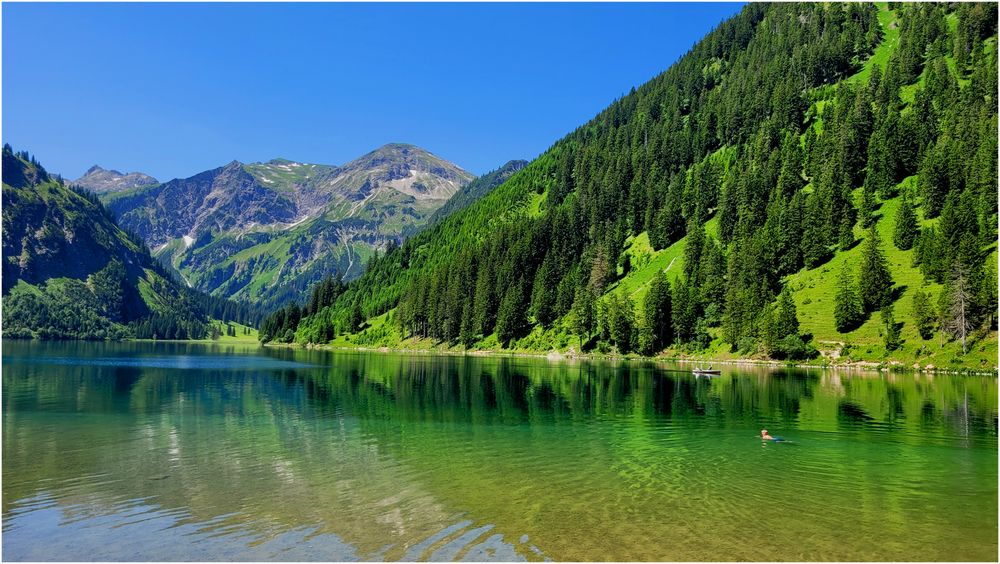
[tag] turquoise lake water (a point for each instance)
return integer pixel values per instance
(158, 451)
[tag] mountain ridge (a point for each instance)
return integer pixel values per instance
(259, 231)
(100, 180)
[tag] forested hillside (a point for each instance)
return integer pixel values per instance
(475, 190)
(69, 271)
(808, 178)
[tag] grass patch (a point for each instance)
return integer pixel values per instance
(669, 260)
(885, 49)
(252, 337)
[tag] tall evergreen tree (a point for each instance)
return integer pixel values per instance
(905, 230)
(956, 317)
(657, 314)
(923, 314)
(874, 279)
(814, 245)
(466, 333)
(847, 311)
(845, 233)
(512, 316)
(357, 319)
(866, 209)
(583, 314)
(890, 329)
(621, 320)
(786, 320)
(684, 311)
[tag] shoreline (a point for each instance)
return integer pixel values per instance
(861, 365)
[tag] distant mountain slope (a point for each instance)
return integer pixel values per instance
(70, 272)
(737, 205)
(263, 232)
(217, 200)
(99, 180)
(475, 190)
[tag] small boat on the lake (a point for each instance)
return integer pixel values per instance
(706, 371)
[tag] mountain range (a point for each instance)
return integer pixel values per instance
(264, 232)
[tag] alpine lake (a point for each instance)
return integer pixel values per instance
(183, 451)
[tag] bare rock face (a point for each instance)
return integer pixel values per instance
(102, 181)
(401, 168)
(266, 231)
(217, 200)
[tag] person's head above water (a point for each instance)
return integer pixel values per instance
(764, 435)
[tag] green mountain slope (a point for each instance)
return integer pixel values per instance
(69, 271)
(264, 232)
(709, 212)
(476, 190)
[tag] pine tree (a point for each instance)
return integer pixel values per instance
(693, 248)
(356, 317)
(845, 234)
(874, 279)
(923, 314)
(786, 320)
(466, 334)
(866, 209)
(583, 314)
(905, 231)
(485, 302)
(956, 319)
(656, 312)
(512, 316)
(933, 177)
(621, 320)
(879, 174)
(890, 329)
(684, 311)
(645, 339)
(768, 331)
(712, 273)
(985, 295)
(543, 294)
(847, 311)
(814, 248)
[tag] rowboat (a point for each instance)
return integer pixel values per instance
(706, 372)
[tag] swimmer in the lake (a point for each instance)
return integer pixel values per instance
(765, 436)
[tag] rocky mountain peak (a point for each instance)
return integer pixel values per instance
(101, 180)
(404, 168)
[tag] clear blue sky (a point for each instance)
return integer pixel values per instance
(174, 89)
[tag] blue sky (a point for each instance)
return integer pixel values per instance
(175, 89)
